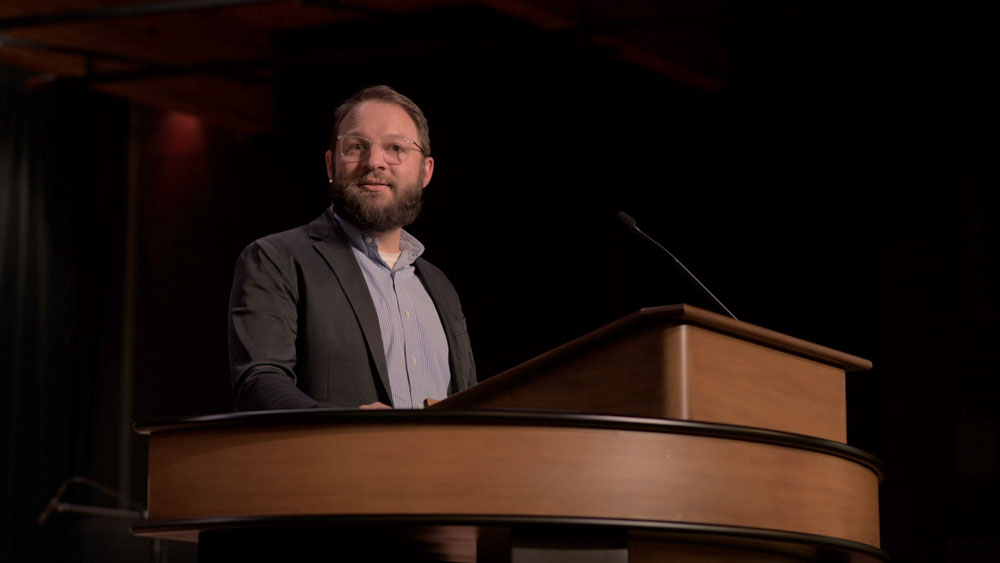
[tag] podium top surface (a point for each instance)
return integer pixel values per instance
(686, 314)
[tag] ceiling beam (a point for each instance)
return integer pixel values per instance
(127, 11)
(86, 53)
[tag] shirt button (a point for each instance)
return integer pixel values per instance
(368, 240)
(414, 360)
(407, 313)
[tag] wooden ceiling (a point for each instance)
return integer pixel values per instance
(216, 58)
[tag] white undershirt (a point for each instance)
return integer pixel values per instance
(389, 257)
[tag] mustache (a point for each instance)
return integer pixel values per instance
(371, 177)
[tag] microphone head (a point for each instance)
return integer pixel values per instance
(627, 220)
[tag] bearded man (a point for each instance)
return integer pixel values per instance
(343, 312)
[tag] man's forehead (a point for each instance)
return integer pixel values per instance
(388, 117)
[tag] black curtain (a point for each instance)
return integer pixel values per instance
(63, 195)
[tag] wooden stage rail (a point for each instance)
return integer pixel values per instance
(665, 489)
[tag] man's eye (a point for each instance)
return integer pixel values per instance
(356, 146)
(396, 148)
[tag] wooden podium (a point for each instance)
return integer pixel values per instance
(673, 434)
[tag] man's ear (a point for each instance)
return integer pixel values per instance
(428, 170)
(329, 164)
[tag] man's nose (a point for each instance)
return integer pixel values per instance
(375, 158)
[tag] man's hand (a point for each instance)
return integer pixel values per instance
(375, 406)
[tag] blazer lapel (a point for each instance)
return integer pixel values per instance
(447, 315)
(338, 255)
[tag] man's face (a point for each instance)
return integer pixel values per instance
(375, 194)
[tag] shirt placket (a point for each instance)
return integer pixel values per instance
(402, 395)
(406, 317)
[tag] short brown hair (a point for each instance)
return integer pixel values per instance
(385, 94)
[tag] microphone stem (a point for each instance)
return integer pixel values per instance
(694, 278)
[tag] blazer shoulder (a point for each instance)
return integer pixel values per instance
(281, 250)
(433, 274)
(286, 244)
(301, 238)
(288, 241)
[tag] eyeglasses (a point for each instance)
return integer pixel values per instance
(397, 149)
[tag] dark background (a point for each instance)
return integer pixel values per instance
(840, 188)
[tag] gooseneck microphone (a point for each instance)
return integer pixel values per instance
(629, 223)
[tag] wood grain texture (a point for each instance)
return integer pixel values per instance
(622, 375)
(546, 471)
(731, 381)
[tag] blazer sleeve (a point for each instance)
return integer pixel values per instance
(263, 314)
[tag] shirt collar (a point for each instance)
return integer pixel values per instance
(409, 247)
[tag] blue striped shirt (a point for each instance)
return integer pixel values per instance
(416, 348)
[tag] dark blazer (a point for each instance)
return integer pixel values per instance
(303, 332)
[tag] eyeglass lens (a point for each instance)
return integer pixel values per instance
(354, 148)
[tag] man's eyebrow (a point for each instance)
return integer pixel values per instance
(389, 136)
(392, 137)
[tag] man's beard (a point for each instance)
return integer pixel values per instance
(364, 209)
